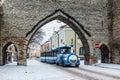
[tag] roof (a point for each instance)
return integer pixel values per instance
(63, 26)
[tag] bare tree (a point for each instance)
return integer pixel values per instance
(38, 37)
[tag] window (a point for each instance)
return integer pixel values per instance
(81, 51)
(72, 41)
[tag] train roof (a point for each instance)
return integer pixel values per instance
(53, 49)
(63, 47)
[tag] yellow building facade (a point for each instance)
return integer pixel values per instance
(66, 37)
(34, 50)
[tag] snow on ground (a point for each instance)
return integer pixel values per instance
(110, 66)
(42, 71)
(112, 69)
(34, 71)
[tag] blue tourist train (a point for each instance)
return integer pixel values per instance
(60, 56)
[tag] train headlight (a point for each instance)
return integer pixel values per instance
(65, 58)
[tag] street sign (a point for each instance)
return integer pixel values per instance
(97, 45)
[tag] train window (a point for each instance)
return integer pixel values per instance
(46, 54)
(54, 54)
(62, 50)
(41, 54)
(51, 53)
(56, 51)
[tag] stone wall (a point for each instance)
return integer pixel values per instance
(1, 25)
(20, 43)
(116, 32)
(21, 15)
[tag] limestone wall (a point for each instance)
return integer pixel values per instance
(116, 32)
(21, 15)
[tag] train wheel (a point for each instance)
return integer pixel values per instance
(77, 66)
(57, 64)
(63, 64)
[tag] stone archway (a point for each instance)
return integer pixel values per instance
(104, 53)
(74, 24)
(95, 17)
(5, 53)
(20, 47)
(115, 56)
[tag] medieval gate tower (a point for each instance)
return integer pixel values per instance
(95, 21)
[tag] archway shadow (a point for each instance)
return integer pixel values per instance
(104, 53)
(5, 53)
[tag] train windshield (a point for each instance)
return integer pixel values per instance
(65, 50)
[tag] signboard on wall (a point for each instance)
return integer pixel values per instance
(97, 45)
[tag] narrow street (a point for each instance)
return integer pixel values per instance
(81, 33)
(43, 71)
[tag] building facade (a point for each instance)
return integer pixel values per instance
(34, 50)
(45, 47)
(66, 37)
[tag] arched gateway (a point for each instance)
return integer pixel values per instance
(83, 34)
(19, 50)
(9, 53)
(104, 53)
(90, 19)
(22, 42)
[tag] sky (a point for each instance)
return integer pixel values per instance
(49, 28)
